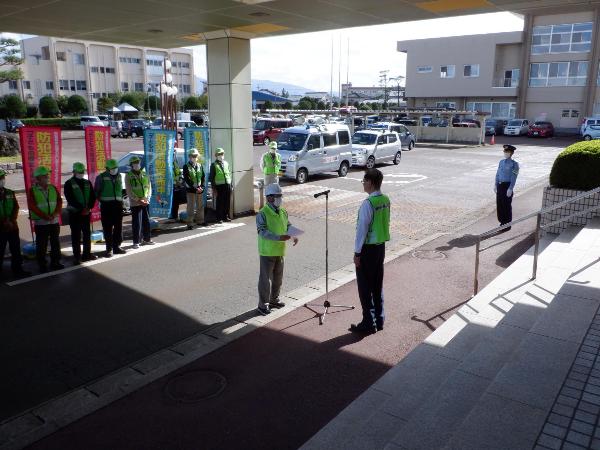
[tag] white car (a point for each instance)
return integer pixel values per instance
(181, 125)
(516, 127)
(116, 128)
(370, 147)
(589, 122)
(86, 121)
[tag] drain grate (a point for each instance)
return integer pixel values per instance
(432, 255)
(193, 387)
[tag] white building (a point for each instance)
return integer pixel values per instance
(372, 93)
(57, 67)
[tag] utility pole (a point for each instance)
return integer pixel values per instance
(383, 79)
(397, 79)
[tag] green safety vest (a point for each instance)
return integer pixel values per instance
(379, 229)
(277, 223)
(110, 190)
(45, 204)
(222, 176)
(83, 197)
(196, 174)
(270, 166)
(7, 206)
(176, 170)
(140, 184)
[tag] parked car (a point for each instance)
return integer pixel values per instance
(587, 122)
(135, 127)
(370, 147)
(465, 125)
(541, 129)
(307, 150)
(409, 122)
(104, 119)
(516, 127)
(407, 138)
(181, 126)
(116, 128)
(12, 125)
(268, 129)
(494, 126)
(591, 132)
(86, 121)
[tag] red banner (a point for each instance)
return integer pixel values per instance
(97, 151)
(41, 146)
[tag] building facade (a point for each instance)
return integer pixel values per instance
(395, 93)
(547, 72)
(93, 70)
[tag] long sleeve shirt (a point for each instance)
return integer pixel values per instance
(72, 200)
(365, 217)
(33, 207)
(134, 200)
(189, 184)
(13, 214)
(508, 170)
(98, 184)
(261, 225)
(213, 172)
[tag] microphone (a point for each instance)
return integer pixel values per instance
(322, 193)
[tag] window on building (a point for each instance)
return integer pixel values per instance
(186, 88)
(72, 85)
(78, 58)
(61, 56)
(578, 73)
(81, 85)
(12, 84)
(63, 85)
(50, 85)
(109, 69)
(26, 84)
(447, 71)
(511, 78)
(45, 53)
(471, 70)
(497, 110)
(424, 69)
(573, 73)
(35, 60)
(96, 95)
(125, 86)
(94, 69)
(185, 65)
(139, 87)
(446, 105)
(101, 69)
(122, 59)
(563, 38)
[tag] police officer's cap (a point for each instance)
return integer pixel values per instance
(510, 148)
(273, 189)
(41, 171)
(2, 173)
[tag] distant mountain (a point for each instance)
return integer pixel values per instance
(274, 86)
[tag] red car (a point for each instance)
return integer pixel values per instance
(541, 129)
(267, 130)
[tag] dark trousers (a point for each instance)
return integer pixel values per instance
(369, 278)
(503, 203)
(175, 203)
(112, 224)
(43, 234)
(14, 245)
(80, 225)
(140, 223)
(223, 201)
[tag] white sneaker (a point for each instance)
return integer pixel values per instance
(136, 246)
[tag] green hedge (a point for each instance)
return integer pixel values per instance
(577, 167)
(66, 123)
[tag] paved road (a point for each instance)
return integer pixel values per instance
(68, 329)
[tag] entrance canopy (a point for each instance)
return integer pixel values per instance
(177, 23)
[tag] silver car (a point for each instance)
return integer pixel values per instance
(370, 147)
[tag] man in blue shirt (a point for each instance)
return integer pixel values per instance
(506, 177)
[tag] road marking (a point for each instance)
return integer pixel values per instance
(405, 178)
(146, 248)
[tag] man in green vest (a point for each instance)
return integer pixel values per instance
(109, 192)
(270, 163)
(139, 190)
(220, 179)
(9, 229)
(193, 176)
(272, 225)
(45, 205)
(81, 199)
(372, 232)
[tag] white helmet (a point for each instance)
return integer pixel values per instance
(273, 189)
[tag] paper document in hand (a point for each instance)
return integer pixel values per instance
(294, 232)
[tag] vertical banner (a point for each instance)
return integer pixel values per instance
(41, 146)
(97, 152)
(198, 138)
(158, 154)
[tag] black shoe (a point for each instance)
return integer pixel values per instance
(119, 251)
(227, 219)
(20, 273)
(203, 224)
(86, 258)
(190, 227)
(76, 260)
(263, 311)
(379, 327)
(219, 221)
(363, 329)
(43, 269)
(108, 254)
(278, 304)
(56, 266)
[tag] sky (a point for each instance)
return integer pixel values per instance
(372, 49)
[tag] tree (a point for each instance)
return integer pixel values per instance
(77, 104)
(336, 105)
(48, 107)
(305, 104)
(63, 104)
(14, 106)
(135, 99)
(152, 103)
(356, 104)
(285, 93)
(287, 105)
(32, 111)
(364, 107)
(321, 105)
(192, 102)
(10, 59)
(105, 104)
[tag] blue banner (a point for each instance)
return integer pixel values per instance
(158, 155)
(198, 138)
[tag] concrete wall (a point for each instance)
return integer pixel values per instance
(447, 134)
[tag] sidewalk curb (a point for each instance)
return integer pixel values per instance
(48, 417)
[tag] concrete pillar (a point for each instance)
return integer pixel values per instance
(525, 58)
(230, 113)
(591, 84)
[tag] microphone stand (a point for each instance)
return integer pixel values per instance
(326, 305)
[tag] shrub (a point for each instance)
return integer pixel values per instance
(32, 111)
(15, 107)
(48, 107)
(77, 104)
(577, 167)
(9, 144)
(63, 104)
(66, 123)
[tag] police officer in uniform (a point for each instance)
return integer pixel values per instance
(372, 232)
(193, 176)
(506, 177)
(272, 225)
(220, 179)
(45, 205)
(137, 186)
(109, 191)
(81, 199)
(270, 163)
(9, 229)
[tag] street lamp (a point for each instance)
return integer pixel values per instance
(168, 100)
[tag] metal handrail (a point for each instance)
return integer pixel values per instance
(493, 232)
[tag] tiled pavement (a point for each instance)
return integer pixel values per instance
(573, 422)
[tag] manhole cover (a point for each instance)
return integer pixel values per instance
(195, 386)
(428, 254)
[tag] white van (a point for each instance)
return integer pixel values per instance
(181, 126)
(516, 127)
(588, 122)
(87, 121)
(308, 150)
